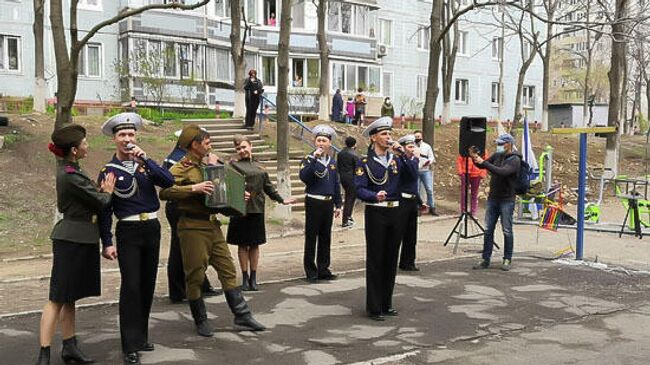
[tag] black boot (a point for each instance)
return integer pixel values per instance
(197, 307)
(245, 285)
(44, 356)
(71, 353)
(253, 281)
(242, 312)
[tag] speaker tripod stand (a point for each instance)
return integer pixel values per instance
(461, 228)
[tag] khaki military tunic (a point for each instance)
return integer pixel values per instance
(202, 242)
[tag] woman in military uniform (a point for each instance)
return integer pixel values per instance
(75, 259)
(248, 231)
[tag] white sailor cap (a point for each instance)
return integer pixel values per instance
(121, 121)
(381, 124)
(324, 130)
(407, 139)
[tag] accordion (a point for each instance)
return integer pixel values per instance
(229, 186)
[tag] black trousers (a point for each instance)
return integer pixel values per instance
(251, 110)
(318, 229)
(138, 248)
(175, 273)
(383, 236)
(409, 208)
(350, 197)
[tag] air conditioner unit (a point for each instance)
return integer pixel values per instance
(382, 51)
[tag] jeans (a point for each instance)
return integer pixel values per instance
(425, 177)
(494, 210)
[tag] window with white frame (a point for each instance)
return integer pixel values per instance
(221, 60)
(90, 60)
(298, 14)
(387, 84)
(198, 59)
(10, 53)
(185, 60)
(421, 87)
(169, 55)
(527, 48)
(497, 47)
(268, 70)
(350, 77)
(528, 96)
(89, 4)
(495, 94)
(424, 36)
(222, 8)
(463, 48)
(305, 72)
(350, 19)
(386, 32)
(461, 95)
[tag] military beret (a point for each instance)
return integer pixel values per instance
(188, 134)
(407, 139)
(68, 136)
(381, 124)
(324, 130)
(121, 121)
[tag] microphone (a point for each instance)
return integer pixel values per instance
(130, 146)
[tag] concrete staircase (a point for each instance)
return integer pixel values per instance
(222, 132)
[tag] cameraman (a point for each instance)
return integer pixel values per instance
(503, 166)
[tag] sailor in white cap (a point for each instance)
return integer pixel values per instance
(322, 202)
(377, 178)
(135, 204)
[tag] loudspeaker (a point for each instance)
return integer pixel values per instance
(4, 121)
(472, 133)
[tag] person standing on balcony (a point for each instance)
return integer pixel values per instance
(359, 107)
(254, 90)
(337, 106)
(272, 21)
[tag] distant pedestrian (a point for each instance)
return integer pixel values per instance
(425, 171)
(349, 110)
(337, 106)
(474, 177)
(254, 89)
(360, 102)
(387, 109)
(347, 160)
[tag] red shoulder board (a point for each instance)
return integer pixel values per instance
(70, 169)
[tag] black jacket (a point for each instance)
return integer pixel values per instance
(503, 168)
(346, 161)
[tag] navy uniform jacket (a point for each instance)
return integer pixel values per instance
(321, 179)
(174, 156)
(371, 176)
(409, 183)
(134, 193)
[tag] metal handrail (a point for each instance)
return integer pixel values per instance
(295, 120)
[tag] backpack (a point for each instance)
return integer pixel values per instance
(522, 183)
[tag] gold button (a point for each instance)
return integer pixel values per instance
(390, 204)
(144, 216)
(93, 219)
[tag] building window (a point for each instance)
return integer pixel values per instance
(222, 8)
(305, 72)
(185, 60)
(495, 94)
(421, 87)
(334, 17)
(387, 84)
(462, 91)
(268, 71)
(298, 14)
(462, 43)
(10, 53)
(198, 59)
(170, 59)
(338, 75)
(528, 97)
(350, 19)
(527, 49)
(221, 59)
(90, 60)
(424, 36)
(89, 4)
(497, 47)
(350, 77)
(385, 32)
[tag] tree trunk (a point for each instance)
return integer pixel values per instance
(449, 52)
(586, 89)
(66, 67)
(617, 61)
(324, 87)
(429, 113)
(39, 58)
(237, 54)
(519, 113)
(546, 62)
(284, 173)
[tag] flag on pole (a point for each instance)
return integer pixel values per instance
(527, 151)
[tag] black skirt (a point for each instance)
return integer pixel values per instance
(75, 271)
(247, 230)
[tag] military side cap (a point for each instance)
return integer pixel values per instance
(188, 134)
(407, 139)
(70, 135)
(122, 121)
(323, 130)
(381, 124)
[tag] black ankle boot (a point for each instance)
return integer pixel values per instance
(71, 352)
(44, 356)
(245, 285)
(197, 307)
(242, 312)
(253, 281)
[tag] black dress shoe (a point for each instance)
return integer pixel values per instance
(408, 268)
(390, 312)
(147, 347)
(176, 300)
(312, 280)
(376, 317)
(329, 276)
(132, 358)
(212, 292)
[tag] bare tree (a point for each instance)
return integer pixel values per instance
(39, 58)
(324, 51)
(237, 51)
(67, 60)
(450, 44)
(282, 101)
(429, 112)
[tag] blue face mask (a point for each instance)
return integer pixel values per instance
(501, 149)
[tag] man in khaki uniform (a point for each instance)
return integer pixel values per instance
(202, 242)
